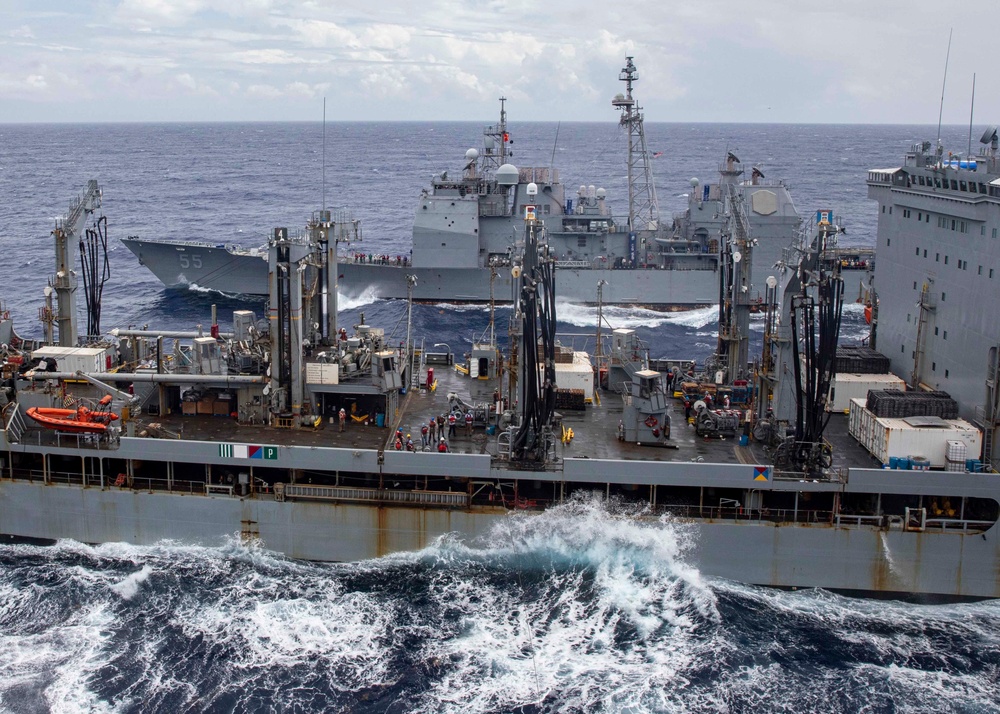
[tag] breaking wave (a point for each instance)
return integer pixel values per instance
(635, 317)
(587, 607)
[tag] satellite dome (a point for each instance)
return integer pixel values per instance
(507, 175)
(619, 97)
(471, 155)
(532, 189)
(601, 193)
(694, 182)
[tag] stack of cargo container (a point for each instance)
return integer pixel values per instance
(859, 370)
(913, 441)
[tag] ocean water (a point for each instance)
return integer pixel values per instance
(577, 610)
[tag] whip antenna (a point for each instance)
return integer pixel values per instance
(972, 108)
(324, 153)
(943, 83)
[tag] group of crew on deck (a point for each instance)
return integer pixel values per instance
(437, 433)
(373, 259)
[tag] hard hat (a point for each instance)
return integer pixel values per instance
(407, 436)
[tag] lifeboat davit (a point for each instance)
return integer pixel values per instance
(81, 420)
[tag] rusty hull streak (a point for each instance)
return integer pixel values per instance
(381, 532)
(419, 538)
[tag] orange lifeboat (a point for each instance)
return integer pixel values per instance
(81, 420)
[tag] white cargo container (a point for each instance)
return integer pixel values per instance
(846, 387)
(576, 375)
(914, 436)
(77, 359)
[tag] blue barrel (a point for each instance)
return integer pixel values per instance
(380, 420)
(744, 440)
(491, 430)
(893, 462)
(904, 463)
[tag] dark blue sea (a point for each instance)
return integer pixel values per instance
(576, 610)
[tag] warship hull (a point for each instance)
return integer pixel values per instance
(220, 269)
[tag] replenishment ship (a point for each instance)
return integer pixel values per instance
(867, 468)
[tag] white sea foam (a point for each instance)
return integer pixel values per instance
(610, 612)
(351, 302)
(586, 607)
(128, 587)
(633, 317)
(196, 288)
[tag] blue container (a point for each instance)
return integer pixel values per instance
(380, 420)
(893, 462)
(491, 430)
(744, 440)
(904, 463)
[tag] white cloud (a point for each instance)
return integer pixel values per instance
(188, 82)
(321, 33)
(263, 91)
(267, 56)
(713, 60)
(158, 13)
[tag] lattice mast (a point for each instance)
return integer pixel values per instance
(643, 211)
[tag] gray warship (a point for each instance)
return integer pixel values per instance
(465, 222)
(295, 433)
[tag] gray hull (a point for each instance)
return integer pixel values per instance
(215, 268)
(857, 558)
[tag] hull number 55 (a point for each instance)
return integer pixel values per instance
(190, 261)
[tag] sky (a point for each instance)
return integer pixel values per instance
(772, 61)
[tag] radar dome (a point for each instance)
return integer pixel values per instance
(601, 193)
(471, 155)
(532, 189)
(619, 97)
(694, 182)
(507, 175)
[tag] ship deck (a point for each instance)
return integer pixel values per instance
(595, 429)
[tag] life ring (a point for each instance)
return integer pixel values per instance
(651, 421)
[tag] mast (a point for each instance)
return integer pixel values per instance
(495, 141)
(67, 233)
(643, 211)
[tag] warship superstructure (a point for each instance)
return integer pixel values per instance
(295, 433)
(465, 223)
